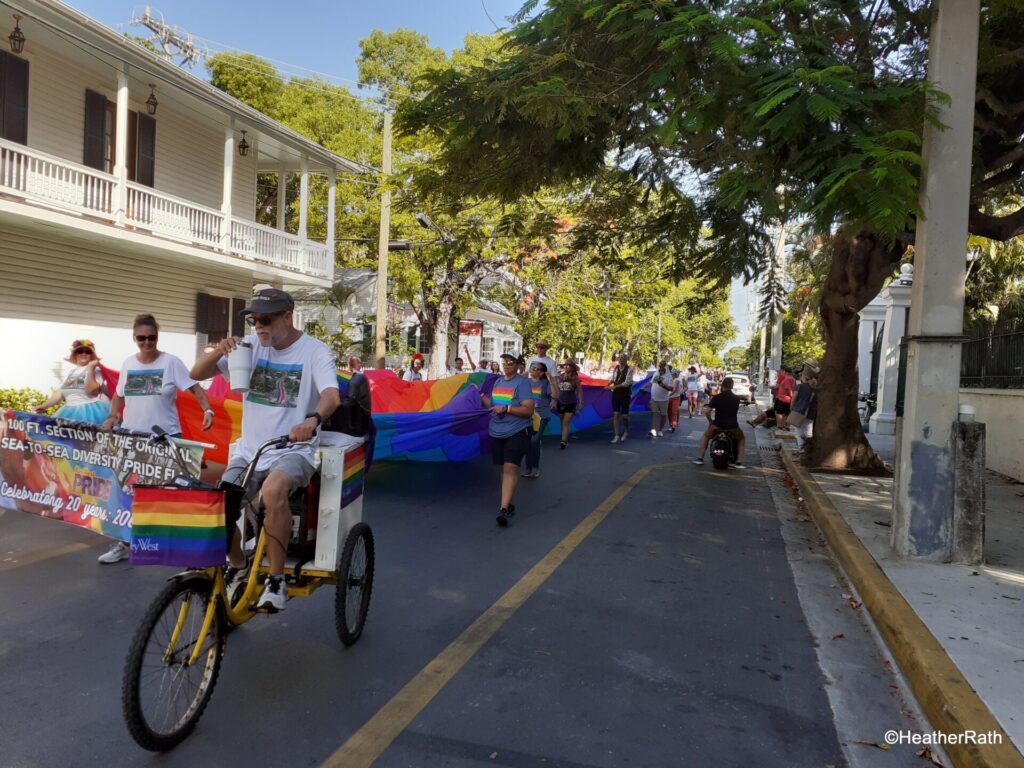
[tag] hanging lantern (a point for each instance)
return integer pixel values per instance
(151, 102)
(17, 37)
(243, 146)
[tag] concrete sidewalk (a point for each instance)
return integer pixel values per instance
(955, 630)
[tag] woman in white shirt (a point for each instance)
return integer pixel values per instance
(148, 389)
(415, 372)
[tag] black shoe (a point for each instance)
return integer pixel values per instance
(502, 518)
(672, 429)
(561, 446)
(511, 509)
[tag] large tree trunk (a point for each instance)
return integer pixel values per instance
(440, 319)
(859, 268)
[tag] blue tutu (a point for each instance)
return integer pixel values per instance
(95, 412)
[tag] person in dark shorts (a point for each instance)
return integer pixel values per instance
(511, 404)
(621, 386)
(570, 398)
(726, 419)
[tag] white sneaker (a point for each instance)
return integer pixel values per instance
(654, 433)
(235, 578)
(625, 434)
(536, 474)
(274, 596)
(120, 551)
(615, 440)
(661, 433)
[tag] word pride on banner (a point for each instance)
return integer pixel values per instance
(73, 472)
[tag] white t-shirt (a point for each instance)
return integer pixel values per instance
(661, 386)
(73, 387)
(412, 375)
(551, 364)
(693, 383)
(150, 392)
(284, 387)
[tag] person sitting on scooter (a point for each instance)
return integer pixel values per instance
(726, 407)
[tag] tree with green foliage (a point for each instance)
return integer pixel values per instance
(764, 111)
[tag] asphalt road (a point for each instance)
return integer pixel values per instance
(673, 634)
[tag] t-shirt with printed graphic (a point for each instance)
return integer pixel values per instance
(541, 391)
(73, 387)
(150, 392)
(284, 387)
(511, 392)
(693, 382)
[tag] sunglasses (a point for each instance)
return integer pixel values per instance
(263, 319)
(83, 351)
(151, 337)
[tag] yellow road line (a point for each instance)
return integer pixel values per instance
(369, 742)
(37, 556)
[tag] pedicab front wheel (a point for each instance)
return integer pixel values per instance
(163, 695)
(355, 584)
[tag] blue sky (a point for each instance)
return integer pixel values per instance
(321, 35)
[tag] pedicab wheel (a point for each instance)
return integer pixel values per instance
(162, 696)
(355, 584)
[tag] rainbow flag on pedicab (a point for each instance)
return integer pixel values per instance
(183, 527)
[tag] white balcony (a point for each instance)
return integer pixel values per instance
(47, 181)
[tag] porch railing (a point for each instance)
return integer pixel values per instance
(50, 181)
(173, 217)
(46, 180)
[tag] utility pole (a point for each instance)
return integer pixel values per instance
(932, 484)
(380, 346)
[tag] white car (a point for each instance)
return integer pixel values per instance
(741, 386)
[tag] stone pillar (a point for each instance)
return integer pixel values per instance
(871, 318)
(897, 301)
(969, 496)
(926, 484)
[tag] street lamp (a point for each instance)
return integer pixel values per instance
(151, 102)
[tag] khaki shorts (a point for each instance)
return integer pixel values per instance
(660, 407)
(291, 464)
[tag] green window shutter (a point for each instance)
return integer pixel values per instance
(14, 98)
(95, 118)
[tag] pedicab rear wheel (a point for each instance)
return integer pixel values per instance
(355, 584)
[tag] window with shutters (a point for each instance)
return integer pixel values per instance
(101, 139)
(13, 98)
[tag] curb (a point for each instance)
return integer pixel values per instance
(948, 700)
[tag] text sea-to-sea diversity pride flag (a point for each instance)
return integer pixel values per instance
(434, 420)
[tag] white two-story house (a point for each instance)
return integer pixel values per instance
(128, 185)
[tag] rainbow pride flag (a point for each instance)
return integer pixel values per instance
(354, 473)
(183, 527)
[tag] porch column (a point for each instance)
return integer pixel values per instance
(332, 187)
(304, 199)
(282, 196)
(922, 523)
(121, 148)
(897, 300)
(229, 180)
(871, 318)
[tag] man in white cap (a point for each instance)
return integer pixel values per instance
(292, 391)
(541, 349)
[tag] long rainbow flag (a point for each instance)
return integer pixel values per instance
(433, 420)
